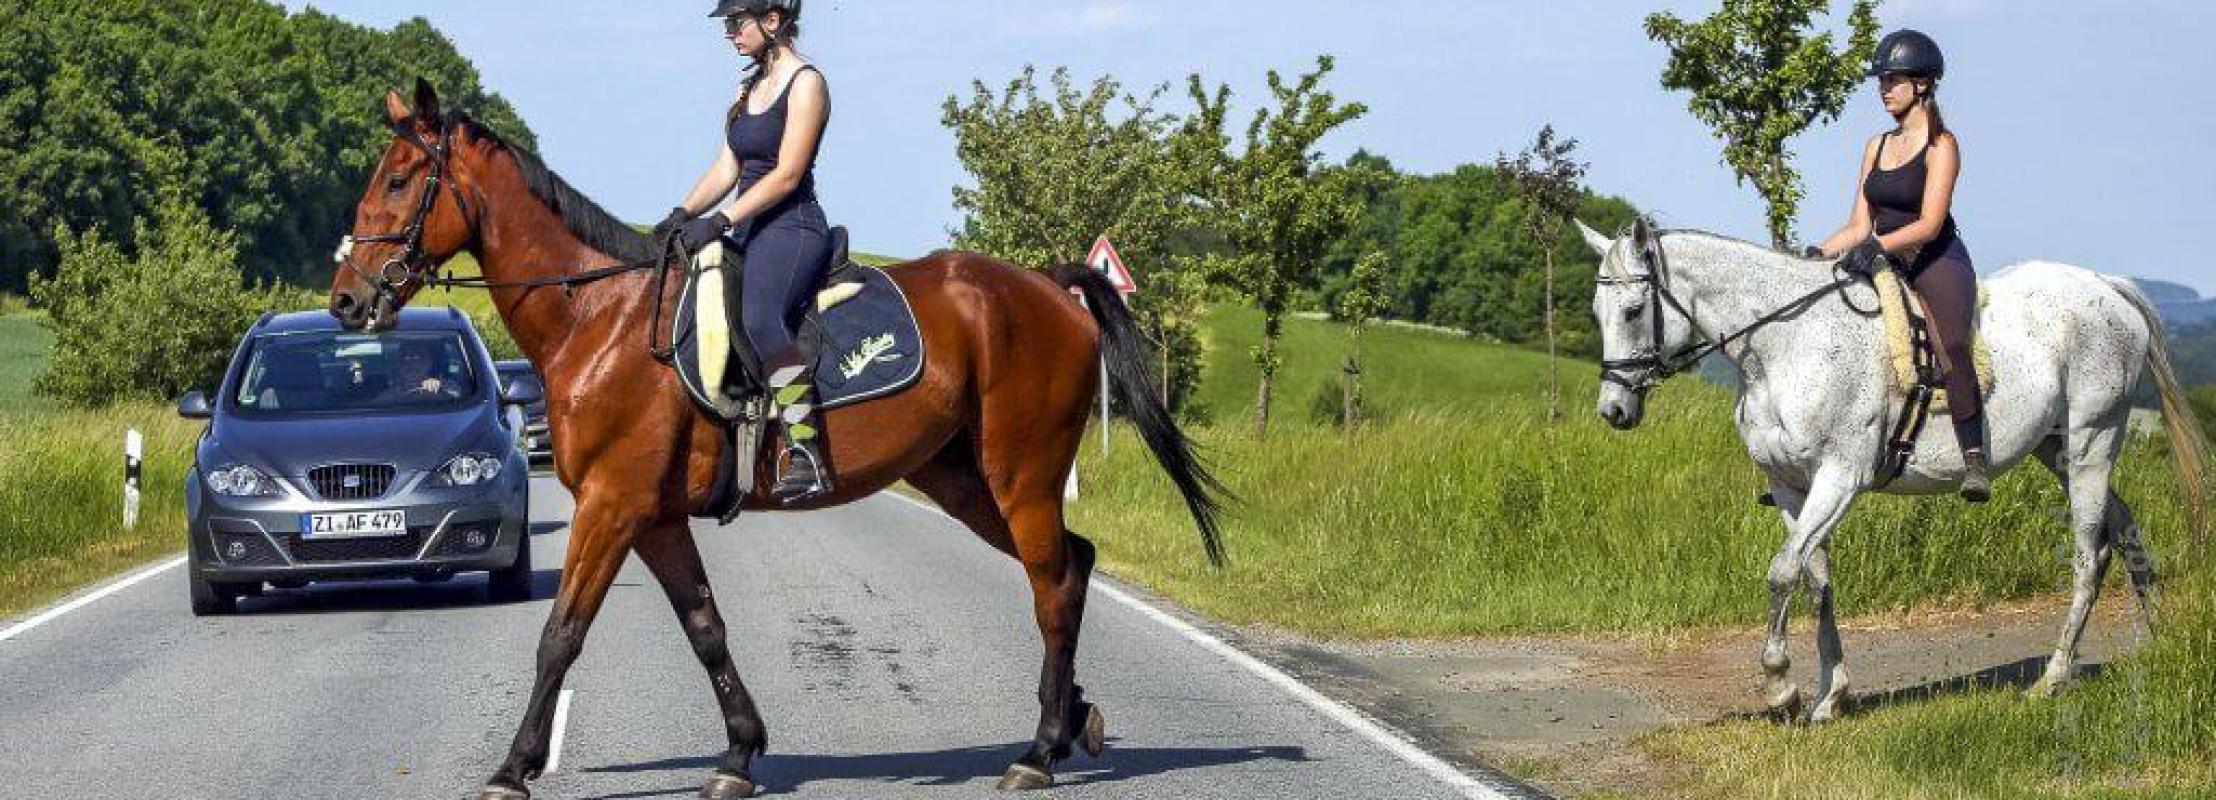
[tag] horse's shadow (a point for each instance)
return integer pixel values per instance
(954, 766)
(2017, 675)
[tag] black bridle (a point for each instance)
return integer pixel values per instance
(413, 265)
(1651, 366)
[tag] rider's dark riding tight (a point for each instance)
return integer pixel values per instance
(1948, 285)
(786, 254)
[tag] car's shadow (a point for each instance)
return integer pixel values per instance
(464, 591)
(954, 766)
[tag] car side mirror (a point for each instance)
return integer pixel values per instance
(194, 405)
(522, 390)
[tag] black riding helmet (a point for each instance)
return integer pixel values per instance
(725, 8)
(1908, 52)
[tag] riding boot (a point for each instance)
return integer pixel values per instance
(1977, 479)
(807, 468)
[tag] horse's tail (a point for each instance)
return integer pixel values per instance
(2188, 443)
(1124, 346)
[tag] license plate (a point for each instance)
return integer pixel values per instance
(353, 524)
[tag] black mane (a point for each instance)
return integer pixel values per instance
(584, 218)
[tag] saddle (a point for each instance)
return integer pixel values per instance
(1914, 371)
(861, 333)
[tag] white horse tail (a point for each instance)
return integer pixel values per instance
(2188, 443)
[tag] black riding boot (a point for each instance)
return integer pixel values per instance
(807, 470)
(1977, 478)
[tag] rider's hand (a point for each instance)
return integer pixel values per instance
(698, 234)
(1812, 252)
(1865, 259)
(677, 218)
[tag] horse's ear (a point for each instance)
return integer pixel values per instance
(426, 103)
(1642, 234)
(396, 109)
(1593, 239)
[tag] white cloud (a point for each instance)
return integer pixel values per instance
(1080, 20)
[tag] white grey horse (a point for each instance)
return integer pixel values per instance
(2069, 346)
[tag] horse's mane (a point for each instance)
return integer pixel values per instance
(584, 218)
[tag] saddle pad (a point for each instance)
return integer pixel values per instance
(1900, 346)
(870, 348)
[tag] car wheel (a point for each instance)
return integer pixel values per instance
(514, 583)
(210, 598)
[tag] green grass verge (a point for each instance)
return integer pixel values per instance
(1404, 370)
(61, 498)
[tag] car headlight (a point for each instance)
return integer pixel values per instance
(467, 469)
(240, 480)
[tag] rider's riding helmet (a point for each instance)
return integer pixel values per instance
(1911, 53)
(725, 8)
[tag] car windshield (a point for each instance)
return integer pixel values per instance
(328, 372)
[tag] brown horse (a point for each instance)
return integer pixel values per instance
(989, 432)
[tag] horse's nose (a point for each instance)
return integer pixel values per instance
(348, 311)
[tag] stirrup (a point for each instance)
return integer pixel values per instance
(805, 477)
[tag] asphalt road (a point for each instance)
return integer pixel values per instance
(893, 655)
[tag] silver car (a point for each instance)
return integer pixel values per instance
(333, 455)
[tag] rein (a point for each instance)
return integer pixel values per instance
(413, 265)
(1652, 365)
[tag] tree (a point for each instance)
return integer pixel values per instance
(1551, 184)
(1759, 76)
(1055, 170)
(1278, 207)
(1362, 301)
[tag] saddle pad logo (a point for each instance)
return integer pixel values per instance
(872, 350)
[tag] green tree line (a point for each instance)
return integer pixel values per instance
(263, 119)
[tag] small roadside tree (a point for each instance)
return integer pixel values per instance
(1360, 301)
(1550, 182)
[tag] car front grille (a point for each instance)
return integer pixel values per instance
(351, 481)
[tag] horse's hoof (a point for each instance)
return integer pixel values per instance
(1095, 740)
(494, 791)
(726, 786)
(1025, 778)
(1785, 703)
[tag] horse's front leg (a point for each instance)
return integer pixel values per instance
(669, 551)
(1809, 517)
(601, 533)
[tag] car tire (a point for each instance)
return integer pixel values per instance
(512, 585)
(212, 599)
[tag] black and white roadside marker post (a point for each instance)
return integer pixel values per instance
(134, 451)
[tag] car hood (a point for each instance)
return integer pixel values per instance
(411, 442)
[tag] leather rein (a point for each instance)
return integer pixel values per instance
(1652, 367)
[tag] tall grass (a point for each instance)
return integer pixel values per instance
(61, 498)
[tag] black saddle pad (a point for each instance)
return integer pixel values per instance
(870, 346)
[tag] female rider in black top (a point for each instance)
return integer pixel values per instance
(769, 151)
(1903, 208)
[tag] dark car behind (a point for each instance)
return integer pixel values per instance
(534, 438)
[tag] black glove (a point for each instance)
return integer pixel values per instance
(677, 217)
(698, 234)
(1865, 259)
(1812, 252)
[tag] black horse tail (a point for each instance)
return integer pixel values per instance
(1124, 346)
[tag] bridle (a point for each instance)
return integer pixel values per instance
(413, 265)
(1649, 365)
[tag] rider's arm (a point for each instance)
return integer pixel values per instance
(808, 110)
(718, 180)
(1942, 165)
(1858, 215)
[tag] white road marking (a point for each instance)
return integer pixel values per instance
(561, 725)
(1347, 716)
(87, 599)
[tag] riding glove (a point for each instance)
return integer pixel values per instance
(698, 234)
(1865, 259)
(677, 218)
(1812, 252)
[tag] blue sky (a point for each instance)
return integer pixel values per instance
(2087, 129)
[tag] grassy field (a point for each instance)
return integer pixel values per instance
(23, 346)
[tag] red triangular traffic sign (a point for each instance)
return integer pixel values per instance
(1105, 260)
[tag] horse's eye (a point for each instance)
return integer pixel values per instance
(397, 182)
(1634, 310)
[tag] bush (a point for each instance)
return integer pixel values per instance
(149, 327)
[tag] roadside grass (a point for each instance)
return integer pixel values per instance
(1403, 370)
(2145, 728)
(61, 498)
(24, 343)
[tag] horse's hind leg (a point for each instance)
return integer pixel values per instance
(674, 558)
(2084, 463)
(602, 534)
(1024, 519)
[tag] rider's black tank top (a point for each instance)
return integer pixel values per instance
(1897, 196)
(755, 140)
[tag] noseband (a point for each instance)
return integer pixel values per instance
(412, 265)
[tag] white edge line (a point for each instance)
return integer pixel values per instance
(86, 599)
(1348, 716)
(561, 726)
